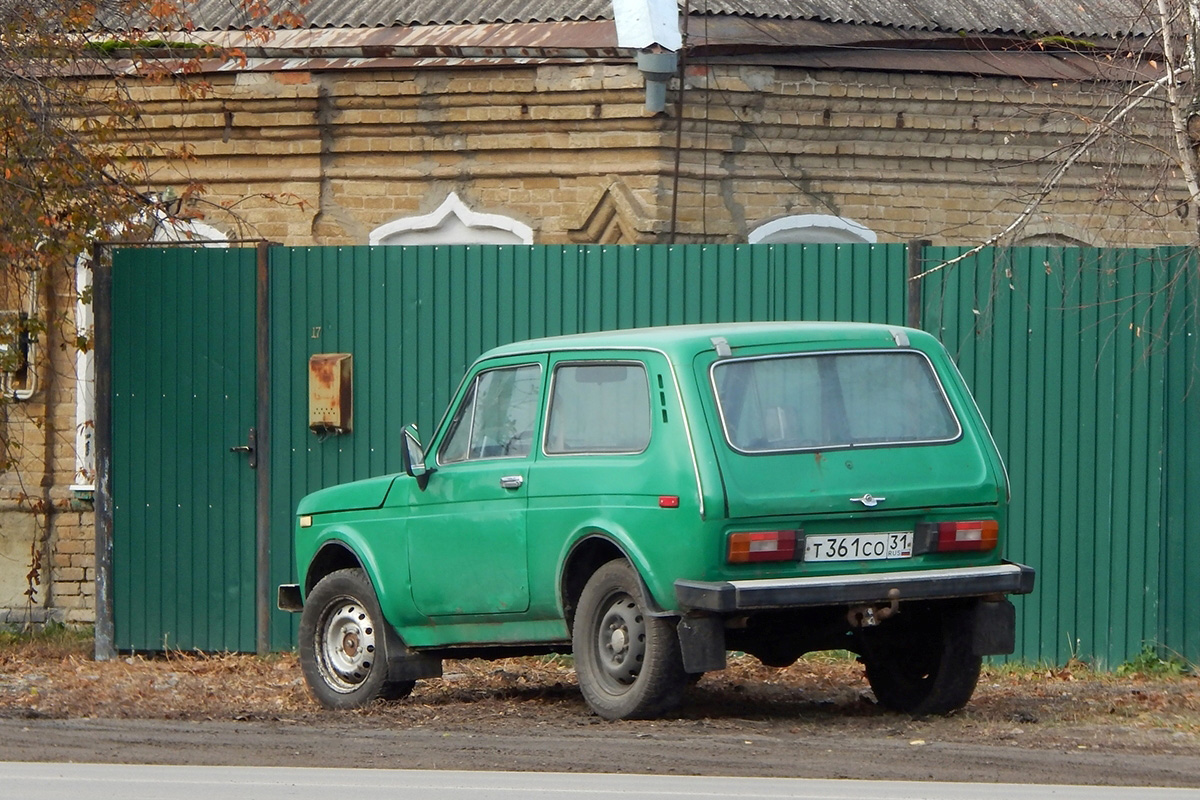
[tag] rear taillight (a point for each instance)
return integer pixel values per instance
(747, 548)
(975, 535)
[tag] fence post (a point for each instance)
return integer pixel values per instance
(104, 642)
(914, 316)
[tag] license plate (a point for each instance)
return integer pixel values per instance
(858, 546)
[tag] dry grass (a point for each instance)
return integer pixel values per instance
(173, 686)
(41, 677)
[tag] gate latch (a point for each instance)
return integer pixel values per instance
(250, 448)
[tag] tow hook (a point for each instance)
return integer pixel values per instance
(870, 616)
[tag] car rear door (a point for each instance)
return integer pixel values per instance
(836, 432)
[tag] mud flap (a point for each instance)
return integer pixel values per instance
(994, 626)
(702, 643)
(413, 667)
(408, 665)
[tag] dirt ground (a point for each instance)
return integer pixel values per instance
(815, 719)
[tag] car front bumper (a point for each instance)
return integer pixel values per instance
(827, 590)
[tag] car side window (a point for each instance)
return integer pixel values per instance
(599, 408)
(496, 417)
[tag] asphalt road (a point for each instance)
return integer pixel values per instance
(591, 748)
(53, 781)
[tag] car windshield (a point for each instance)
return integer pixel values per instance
(826, 401)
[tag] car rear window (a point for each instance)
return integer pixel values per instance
(824, 401)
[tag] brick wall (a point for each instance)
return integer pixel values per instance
(46, 531)
(949, 158)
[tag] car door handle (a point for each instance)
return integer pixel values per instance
(512, 481)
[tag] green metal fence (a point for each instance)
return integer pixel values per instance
(1179, 603)
(1083, 361)
(414, 319)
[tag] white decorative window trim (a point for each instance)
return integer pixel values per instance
(1056, 234)
(85, 383)
(188, 230)
(838, 229)
(424, 229)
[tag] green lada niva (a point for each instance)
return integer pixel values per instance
(648, 500)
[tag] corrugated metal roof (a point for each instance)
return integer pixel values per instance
(229, 14)
(1099, 18)
(499, 40)
(1082, 18)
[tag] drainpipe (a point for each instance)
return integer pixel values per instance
(651, 27)
(658, 69)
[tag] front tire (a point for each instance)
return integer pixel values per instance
(924, 665)
(343, 645)
(628, 662)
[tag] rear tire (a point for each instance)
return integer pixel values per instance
(924, 665)
(343, 644)
(628, 663)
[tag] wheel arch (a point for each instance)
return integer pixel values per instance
(331, 556)
(344, 547)
(587, 555)
(336, 554)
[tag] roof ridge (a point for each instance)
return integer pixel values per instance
(1030, 18)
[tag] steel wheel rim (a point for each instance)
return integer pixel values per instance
(621, 642)
(346, 649)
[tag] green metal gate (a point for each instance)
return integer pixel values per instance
(183, 393)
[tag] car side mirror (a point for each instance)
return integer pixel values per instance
(412, 457)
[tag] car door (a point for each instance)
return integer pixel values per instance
(467, 536)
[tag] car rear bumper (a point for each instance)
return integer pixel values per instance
(932, 584)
